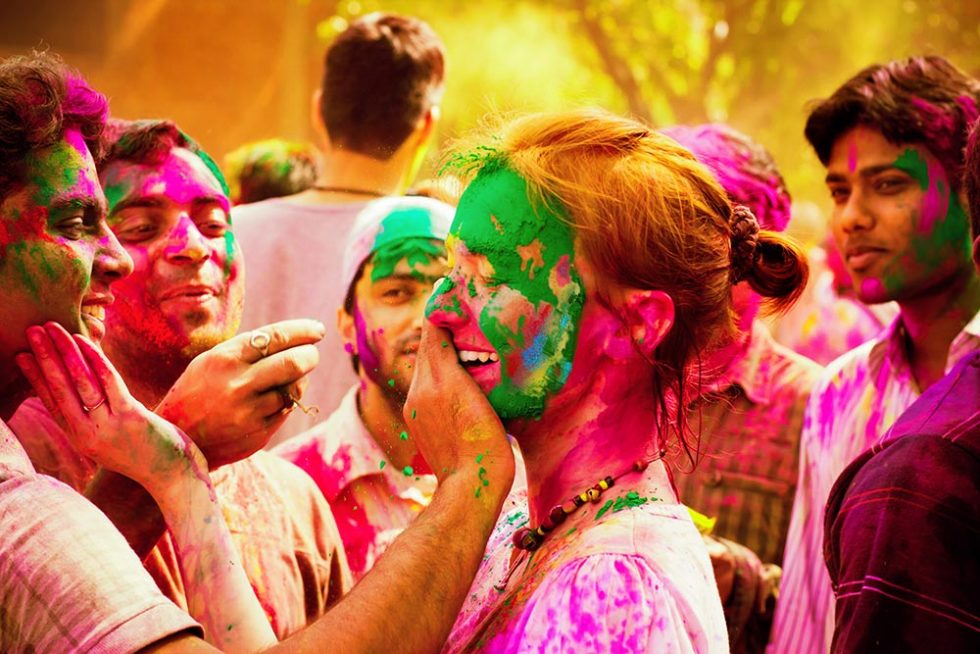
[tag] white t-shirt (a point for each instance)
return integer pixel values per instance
(293, 258)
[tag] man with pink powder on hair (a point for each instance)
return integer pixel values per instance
(892, 140)
(751, 414)
(902, 528)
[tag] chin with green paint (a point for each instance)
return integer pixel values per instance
(513, 299)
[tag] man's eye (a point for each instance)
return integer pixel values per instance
(839, 193)
(213, 229)
(135, 233)
(395, 294)
(73, 227)
(889, 186)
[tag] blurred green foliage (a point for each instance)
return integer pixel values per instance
(752, 63)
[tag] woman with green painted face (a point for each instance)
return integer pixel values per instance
(592, 262)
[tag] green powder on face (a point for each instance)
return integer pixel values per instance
(479, 458)
(403, 435)
(471, 288)
(531, 250)
(413, 414)
(912, 163)
(445, 344)
(381, 465)
(391, 382)
(408, 471)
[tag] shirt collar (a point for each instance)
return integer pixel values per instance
(891, 345)
(367, 458)
(751, 371)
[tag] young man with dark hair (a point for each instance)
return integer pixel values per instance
(892, 141)
(376, 113)
(751, 412)
(902, 529)
(168, 206)
(68, 579)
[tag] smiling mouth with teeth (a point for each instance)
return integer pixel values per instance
(95, 311)
(471, 358)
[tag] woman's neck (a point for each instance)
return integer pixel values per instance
(585, 436)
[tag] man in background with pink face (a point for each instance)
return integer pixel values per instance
(892, 140)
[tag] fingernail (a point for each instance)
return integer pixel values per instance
(321, 328)
(35, 335)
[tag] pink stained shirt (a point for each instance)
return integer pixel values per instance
(637, 579)
(370, 499)
(68, 580)
(750, 422)
(290, 548)
(293, 259)
(857, 400)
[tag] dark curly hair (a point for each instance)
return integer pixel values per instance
(923, 100)
(41, 97)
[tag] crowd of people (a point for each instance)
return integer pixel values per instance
(531, 405)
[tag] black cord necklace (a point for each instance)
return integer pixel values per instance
(350, 191)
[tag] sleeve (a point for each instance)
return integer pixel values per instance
(68, 580)
(907, 541)
(802, 621)
(606, 603)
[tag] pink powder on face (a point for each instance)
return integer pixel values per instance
(935, 204)
(872, 287)
(852, 156)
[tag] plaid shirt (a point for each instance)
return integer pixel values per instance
(750, 430)
(68, 580)
(859, 397)
(903, 528)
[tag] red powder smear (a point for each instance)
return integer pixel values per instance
(30, 225)
(939, 125)
(872, 287)
(852, 156)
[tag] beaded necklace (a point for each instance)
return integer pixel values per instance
(529, 539)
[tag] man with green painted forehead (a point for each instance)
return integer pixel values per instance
(361, 457)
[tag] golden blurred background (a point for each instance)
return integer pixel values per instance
(234, 71)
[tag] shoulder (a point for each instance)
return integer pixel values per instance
(50, 534)
(603, 601)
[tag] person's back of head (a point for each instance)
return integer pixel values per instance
(272, 168)
(745, 168)
(921, 100)
(40, 97)
(381, 76)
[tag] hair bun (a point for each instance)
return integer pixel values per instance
(744, 242)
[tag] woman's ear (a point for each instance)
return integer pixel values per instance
(647, 315)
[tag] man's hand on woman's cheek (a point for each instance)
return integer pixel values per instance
(232, 398)
(457, 430)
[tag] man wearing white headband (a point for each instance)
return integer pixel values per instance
(361, 457)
